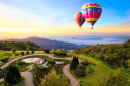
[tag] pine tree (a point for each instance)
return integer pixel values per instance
(17, 73)
(8, 77)
(74, 62)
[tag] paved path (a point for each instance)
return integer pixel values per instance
(29, 77)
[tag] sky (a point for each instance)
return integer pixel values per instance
(45, 18)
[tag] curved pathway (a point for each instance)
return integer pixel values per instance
(29, 77)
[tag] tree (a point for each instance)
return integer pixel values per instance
(53, 49)
(74, 62)
(8, 77)
(114, 79)
(52, 79)
(17, 73)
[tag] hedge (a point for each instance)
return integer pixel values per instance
(5, 59)
(60, 54)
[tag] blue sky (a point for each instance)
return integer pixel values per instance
(61, 11)
(55, 17)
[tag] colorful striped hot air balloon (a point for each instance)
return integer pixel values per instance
(91, 12)
(79, 19)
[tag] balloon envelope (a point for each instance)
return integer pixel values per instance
(91, 12)
(79, 19)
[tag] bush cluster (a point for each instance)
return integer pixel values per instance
(51, 61)
(80, 70)
(60, 54)
(4, 59)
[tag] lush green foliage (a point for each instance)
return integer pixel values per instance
(60, 53)
(74, 62)
(47, 51)
(85, 62)
(39, 67)
(4, 59)
(52, 79)
(32, 51)
(80, 70)
(12, 74)
(13, 51)
(22, 53)
(114, 79)
(20, 45)
(51, 61)
(113, 54)
(27, 52)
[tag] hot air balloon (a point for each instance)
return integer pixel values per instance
(91, 12)
(79, 19)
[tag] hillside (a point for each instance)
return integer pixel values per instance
(113, 54)
(19, 45)
(49, 44)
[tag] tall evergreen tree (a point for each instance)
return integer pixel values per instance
(17, 73)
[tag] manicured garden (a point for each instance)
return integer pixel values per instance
(39, 71)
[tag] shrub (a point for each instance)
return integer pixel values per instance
(85, 62)
(21, 63)
(82, 67)
(13, 51)
(91, 70)
(41, 67)
(22, 53)
(47, 51)
(51, 61)
(5, 59)
(80, 72)
(17, 54)
(32, 51)
(27, 52)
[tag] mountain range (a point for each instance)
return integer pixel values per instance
(49, 44)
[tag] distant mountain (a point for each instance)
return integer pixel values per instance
(49, 44)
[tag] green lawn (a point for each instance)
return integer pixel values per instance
(99, 70)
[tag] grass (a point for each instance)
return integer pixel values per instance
(99, 70)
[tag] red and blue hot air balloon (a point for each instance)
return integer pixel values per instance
(79, 19)
(91, 12)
